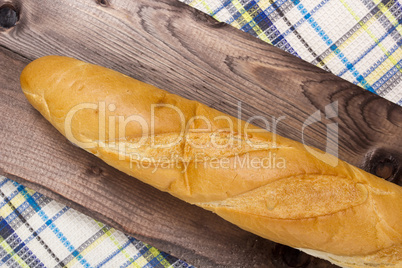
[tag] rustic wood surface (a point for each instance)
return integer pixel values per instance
(172, 46)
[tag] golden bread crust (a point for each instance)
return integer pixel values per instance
(339, 213)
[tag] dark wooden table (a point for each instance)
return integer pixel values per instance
(179, 49)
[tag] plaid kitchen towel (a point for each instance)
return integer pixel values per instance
(358, 40)
(36, 231)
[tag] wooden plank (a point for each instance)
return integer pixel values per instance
(176, 48)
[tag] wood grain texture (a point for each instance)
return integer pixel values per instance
(174, 47)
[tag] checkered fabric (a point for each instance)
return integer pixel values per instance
(358, 40)
(36, 231)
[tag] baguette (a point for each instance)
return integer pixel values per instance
(263, 183)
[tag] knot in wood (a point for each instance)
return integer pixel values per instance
(9, 16)
(104, 3)
(291, 257)
(94, 170)
(386, 164)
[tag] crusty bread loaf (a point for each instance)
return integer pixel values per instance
(215, 161)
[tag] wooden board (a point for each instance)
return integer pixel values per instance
(172, 46)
